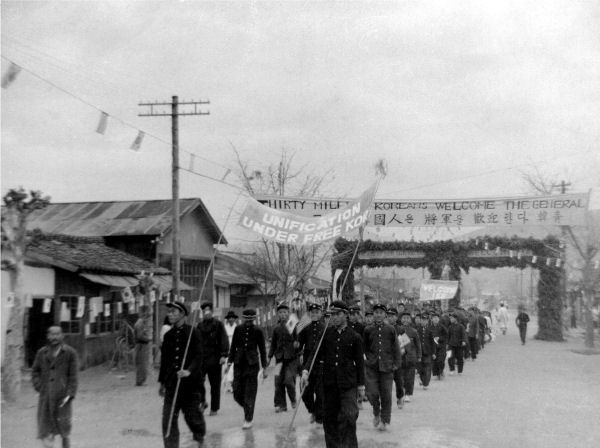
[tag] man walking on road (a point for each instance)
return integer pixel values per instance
(438, 353)
(187, 372)
(54, 376)
(143, 336)
(502, 318)
(412, 355)
(457, 341)
(247, 349)
(283, 346)
(382, 354)
(343, 373)
(427, 345)
(521, 321)
(215, 347)
(309, 338)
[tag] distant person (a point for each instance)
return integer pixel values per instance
(283, 347)
(230, 325)
(143, 336)
(502, 318)
(521, 321)
(54, 376)
(215, 348)
(457, 340)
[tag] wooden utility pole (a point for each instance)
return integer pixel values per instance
(174, 114)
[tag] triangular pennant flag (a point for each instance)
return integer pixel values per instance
(558, 261)
(534, 259)
(548, 261)
(487, 246)
(10, 75)
(511, 253)
(103, 123)
(137, 143)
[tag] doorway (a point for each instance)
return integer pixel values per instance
(38, 324)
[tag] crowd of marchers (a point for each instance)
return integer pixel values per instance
(344, 360)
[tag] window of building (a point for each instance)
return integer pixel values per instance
(70, 324)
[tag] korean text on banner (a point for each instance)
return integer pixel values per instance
(438, 289)
(288, 228)
(558, 210)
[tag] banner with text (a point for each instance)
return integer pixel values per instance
(292, 228)
(438, 289)
(558, 210)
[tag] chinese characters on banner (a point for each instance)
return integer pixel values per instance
(438, 289)
(558, 210)
(292, 228)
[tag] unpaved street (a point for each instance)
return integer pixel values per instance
(538, 395)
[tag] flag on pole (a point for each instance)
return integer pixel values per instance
(137, 143)
(103, 123)
(336, 277)
(10, 75)
(304, 322)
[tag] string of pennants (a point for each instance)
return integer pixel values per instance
(12, 73)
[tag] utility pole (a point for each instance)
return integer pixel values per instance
(563, 250)
(174, 114)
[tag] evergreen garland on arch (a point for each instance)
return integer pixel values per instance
(456, 254)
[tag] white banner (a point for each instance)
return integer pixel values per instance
(558, 210)
(290, 228)
(438, 289)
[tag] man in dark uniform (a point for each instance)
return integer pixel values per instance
(427, 345)
(215, 347)
(173, 369)
(438, 354)
(412, 355)
(309, 338)
(247, 345)
(457, 340)
(383, 357)
(343, 372)
(368, 317)
(392, 318)
(354, 320)
(283, 346)
(473, 334)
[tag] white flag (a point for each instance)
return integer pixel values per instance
(336, 277)
(80, 306)
(137, 143)
(103, 123)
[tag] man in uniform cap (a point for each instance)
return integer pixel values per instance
(439, 333)
(412, 355)
(343, 372)
(215, 347)
(427, 346)
(187, 371)
(457, 340)
(354, 320)
(368, 316)
(383, 358)
(309, 338)
(283, 348)
(247, 349)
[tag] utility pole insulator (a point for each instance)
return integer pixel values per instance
(174, 114)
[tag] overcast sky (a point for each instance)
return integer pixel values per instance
(458, 97)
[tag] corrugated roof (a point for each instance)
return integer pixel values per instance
(86, 254)
(116, 218)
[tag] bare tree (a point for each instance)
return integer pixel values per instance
(288, 267)
(18, 205)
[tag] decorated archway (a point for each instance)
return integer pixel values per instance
(460, 256)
